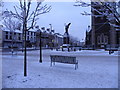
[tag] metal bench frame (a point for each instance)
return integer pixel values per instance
(64, 59)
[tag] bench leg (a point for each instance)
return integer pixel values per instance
(51, 64)
(75, 66)
(54, 63)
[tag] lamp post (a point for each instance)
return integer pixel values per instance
(40, 44)
(50, 27)
(119, 42)
(40, 49)
(88, 37)
(52, 44)
(119, 47)
(88, 28)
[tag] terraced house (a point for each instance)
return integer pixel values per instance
(16, 39)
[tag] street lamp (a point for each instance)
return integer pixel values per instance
(40, 44)
(40, 49)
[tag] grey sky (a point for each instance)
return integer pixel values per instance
(61, 13)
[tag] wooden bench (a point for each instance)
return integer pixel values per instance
(64, 59)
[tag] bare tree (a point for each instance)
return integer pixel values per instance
(107, 9)
(29, 19)
(11, 24)
(1, 6)
(73, 39)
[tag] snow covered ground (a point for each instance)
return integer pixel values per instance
(96, 69)
(0, 68)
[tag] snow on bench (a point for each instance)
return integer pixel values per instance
(64, 59)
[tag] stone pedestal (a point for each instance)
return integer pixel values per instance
(66, 38)
(66, 41)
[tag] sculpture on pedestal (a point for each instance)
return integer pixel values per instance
(66, 35)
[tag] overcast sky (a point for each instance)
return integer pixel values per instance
(61, 13)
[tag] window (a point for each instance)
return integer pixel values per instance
(106, 39)
(98, 39)
(19, 38)
(27, 37)
(10, 35)
(6, 35)
(34, 34)
(102, 38)
(14, 36)
(28, 32)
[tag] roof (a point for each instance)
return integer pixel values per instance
(33, 30)
(17, 31)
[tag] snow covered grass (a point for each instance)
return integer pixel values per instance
(99, 71)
